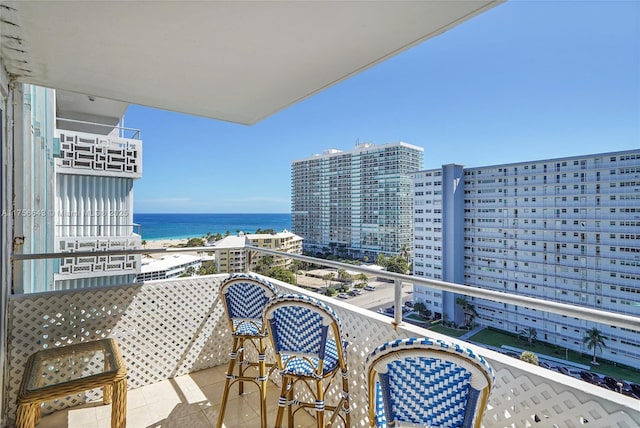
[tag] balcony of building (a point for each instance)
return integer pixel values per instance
(174, 339)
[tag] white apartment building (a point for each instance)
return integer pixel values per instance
(564, 229)
(355, 203)
(77, 190)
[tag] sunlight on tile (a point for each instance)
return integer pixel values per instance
(191, 401)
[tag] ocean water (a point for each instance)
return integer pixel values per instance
(175, 226)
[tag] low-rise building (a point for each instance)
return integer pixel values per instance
(169, 266)
(232, 256)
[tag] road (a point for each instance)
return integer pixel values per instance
(381, 297)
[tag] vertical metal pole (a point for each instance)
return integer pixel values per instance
(397, 301)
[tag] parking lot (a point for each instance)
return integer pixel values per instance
(381, 297)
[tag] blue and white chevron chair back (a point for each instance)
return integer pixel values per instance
(305, 334)
(429, 383)
(245, 296)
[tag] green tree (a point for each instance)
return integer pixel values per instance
(594, 340)
(529, 357)
(363, 278)
(397, 264)
(144, 243)
(264, 264)
(529, 333)
(343, 275)
(328, 277)
(266, 231)
(469, 310)
(281, 274)
(421, 308)
(405, 252)
(381, 260)
(195, 242)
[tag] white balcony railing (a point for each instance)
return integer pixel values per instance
(169, 328)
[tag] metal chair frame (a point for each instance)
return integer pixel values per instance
(302, 330)
(471, 366)
(244, 297)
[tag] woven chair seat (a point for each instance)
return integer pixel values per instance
(308, 367)
(247, 328)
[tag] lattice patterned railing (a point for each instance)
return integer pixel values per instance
(90, 154)
(174, 327)
(164, 329)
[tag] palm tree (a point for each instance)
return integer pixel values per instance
(530, 333)
(343, 275)
(469, 310)
(405, 252)
(328, 277)
(594, 340)
(363, 278)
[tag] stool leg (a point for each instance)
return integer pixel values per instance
(107, 394)
(241, 367)
(320, 398)
(282, 402)
(227, 383)
(262, 368)
(119, 406)
(290, 400)
(27, 415)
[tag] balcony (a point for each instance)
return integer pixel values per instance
(174, 339)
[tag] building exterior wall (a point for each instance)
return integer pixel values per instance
(75, 193)
(232, 255)
(356, 203)
(559, 229)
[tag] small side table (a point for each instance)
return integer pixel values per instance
(58, 372)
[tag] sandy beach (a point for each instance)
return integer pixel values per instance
(164, 243)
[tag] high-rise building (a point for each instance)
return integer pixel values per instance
(566, 230)
(355, 203)
(77, 193)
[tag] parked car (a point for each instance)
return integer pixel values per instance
(589, 377)
(343, 295)
(369, 287)
(563, 370)
(409, 304)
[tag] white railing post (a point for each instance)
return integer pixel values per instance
(397, 299)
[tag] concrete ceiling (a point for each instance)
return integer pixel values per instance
(230, 60)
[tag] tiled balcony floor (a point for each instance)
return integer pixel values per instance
(191, 401)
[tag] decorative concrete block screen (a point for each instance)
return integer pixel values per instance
(100, 155)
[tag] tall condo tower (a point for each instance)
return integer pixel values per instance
(355, 203)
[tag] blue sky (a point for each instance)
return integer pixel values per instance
(526, 80)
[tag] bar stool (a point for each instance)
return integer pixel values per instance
(244, 298)
(306, 337)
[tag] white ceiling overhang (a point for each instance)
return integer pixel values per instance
(231, 60)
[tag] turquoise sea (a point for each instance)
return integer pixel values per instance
(174, 226)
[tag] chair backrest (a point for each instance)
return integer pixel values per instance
(300, 325)
(427, 382)
(245, 296)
